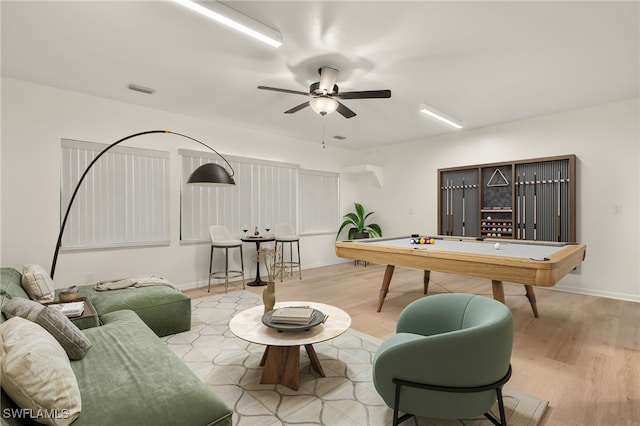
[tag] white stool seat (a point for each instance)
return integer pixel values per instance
(221, 239)
(227, 243)
(287, 238)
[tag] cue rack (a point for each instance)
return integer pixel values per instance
(531, 199)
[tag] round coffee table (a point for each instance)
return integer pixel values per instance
(281, 359)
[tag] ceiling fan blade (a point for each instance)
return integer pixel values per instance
(328, 77)
(276, 89)
(346, 112)
(297, 108)
(365, 94)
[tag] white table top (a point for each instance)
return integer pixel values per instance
(248, 326)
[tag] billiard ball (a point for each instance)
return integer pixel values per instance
(497, 246)
(432, 241)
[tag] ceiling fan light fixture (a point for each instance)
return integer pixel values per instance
(323, 105)
(440, 116)
(229, 17)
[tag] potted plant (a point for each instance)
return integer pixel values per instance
(359, 227)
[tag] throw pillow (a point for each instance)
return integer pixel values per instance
(70, 337)
(37, 374)
(25, 308)
(37, 283)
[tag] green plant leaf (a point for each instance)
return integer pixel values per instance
(357, 222)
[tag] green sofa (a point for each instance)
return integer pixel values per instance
(129, 376)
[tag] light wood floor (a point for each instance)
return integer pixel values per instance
(582, 354)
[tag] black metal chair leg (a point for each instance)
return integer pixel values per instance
(503, 417)
(396, 403)
(226, 269)
(210, 269)
(242, 267)
(299, 264)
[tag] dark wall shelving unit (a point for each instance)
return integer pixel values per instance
(532, 199)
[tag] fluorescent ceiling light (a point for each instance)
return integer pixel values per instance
(229, 17)
(434, 113)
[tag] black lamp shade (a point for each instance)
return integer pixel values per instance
(211, 174)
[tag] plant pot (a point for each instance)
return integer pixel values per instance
(360, 235)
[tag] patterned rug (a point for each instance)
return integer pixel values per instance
(346, 396)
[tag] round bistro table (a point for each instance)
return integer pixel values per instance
(281, 358)
(258, 239)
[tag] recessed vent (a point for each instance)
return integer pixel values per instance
(141, 89)
(339, 137)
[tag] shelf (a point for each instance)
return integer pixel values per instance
(367, 170)
(496, 211)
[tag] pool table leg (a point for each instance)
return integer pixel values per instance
(532, 299)
(498, 294)
(388, 273)
(498, 290)
(425, 280)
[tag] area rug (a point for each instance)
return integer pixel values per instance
(346, 396)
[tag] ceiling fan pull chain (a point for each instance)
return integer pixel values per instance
(323, 132)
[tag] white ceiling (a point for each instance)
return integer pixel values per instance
(480, 62)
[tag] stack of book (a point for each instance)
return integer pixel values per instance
(297, 315)
(72, 309)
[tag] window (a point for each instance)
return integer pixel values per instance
(123, 201)
(265, 194)
(319, 202)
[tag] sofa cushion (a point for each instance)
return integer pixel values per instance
(10, 287)
(36, 373)
(130, 377)
(165, 310)
(37, 282)
(70, 337)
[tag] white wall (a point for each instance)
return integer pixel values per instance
(35, 118)
(606, 140)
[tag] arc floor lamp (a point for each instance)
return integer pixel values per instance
(209, 174)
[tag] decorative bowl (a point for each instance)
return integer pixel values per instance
(69, 294)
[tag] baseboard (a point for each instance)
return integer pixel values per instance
(596, 293)
(200, 284)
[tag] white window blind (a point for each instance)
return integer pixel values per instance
(265, 194)
(319, 202)
(123, 201)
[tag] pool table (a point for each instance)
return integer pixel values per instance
(532, 263)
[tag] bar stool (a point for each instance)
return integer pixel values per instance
(221, 239)
(284, 233)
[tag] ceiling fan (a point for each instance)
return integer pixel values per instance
(324, 95)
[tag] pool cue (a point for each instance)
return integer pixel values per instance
(518, 206)
(535, 206)
(463, 227)
(524, 209)
(451, 210)
(559, 218)
(446, 216)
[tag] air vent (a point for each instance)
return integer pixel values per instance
(141, 89)
(339, 137)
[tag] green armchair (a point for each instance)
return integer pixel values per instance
(449, 358)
